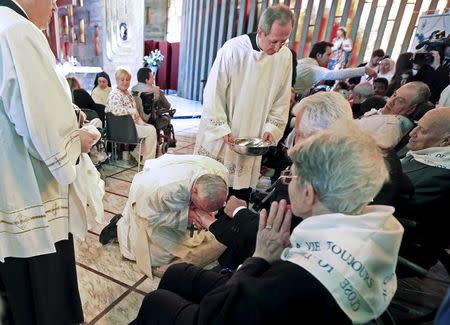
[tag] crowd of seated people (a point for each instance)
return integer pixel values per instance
(392, 111)
(311, 269)
(387, 115)
(121, 102)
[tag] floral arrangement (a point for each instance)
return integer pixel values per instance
(154, 58)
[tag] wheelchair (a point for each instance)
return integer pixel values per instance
(159, 117)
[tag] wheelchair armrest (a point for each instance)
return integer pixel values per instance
(415, 268)
(407, 223)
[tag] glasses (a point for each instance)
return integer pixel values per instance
(286, 176)
(278, 44)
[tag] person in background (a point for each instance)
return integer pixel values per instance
(360, 93)
(402, 66)
(38, 126)
(380, 87)
(312, 70)
(424, 71)
(427, 165)
(102, 88)
(73, 83)
(121, 102)
(247, 95)
(444, 99)
(83, 100)
(341, 50)
(387, 69)
(375, 59)
(146, 84)
(337, 266)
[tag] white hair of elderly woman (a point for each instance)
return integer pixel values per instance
(344, 166)
(321, 110)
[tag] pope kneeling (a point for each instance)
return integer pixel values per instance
(164, 198)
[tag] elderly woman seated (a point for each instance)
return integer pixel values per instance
(387, 69)
(121, 102)
(336, 267)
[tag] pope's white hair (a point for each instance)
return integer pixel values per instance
(344, 166)
(321, 110)
(211, 188)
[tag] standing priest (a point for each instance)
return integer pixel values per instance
(247, 95)
(41, 142)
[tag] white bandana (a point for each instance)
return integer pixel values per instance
(353, 256)
(435, 156)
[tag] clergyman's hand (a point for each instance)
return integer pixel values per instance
(267, 136)
(371, 72)
(229, 138)
(273, 231)
(232, 204)
(87, 140)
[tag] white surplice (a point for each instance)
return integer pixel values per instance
(40, 140)
(153, 230)
(247, 94)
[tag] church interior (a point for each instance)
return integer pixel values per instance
(180, 41)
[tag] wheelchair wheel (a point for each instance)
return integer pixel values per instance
(164, 147)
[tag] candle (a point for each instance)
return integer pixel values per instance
(81, 31)
(66, 25)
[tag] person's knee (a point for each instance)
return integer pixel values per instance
(175, 270)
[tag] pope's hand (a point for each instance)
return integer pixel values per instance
(193, 218)
(228, 138)
(205, 218)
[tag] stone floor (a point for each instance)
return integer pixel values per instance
(111, 287)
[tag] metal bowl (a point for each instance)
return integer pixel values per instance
(250, 146)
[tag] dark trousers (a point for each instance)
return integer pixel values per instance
(179, 293)
(42, 289)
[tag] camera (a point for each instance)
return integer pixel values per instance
(423, 58)
(436, 42)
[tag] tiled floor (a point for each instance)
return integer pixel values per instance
(111, 287)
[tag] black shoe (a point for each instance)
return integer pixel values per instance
(172, 143)
(109, 233)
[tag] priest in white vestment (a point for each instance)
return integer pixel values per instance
(42, 143)
(247, 95)
(163, 199)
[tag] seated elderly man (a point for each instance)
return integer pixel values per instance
(397, 117)
(314, 113)
(164, 198)
(364, 99)
(427, 165)
(337, 266)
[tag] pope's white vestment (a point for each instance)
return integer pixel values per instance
(40, 142)
(247, 94)
(153, 230)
